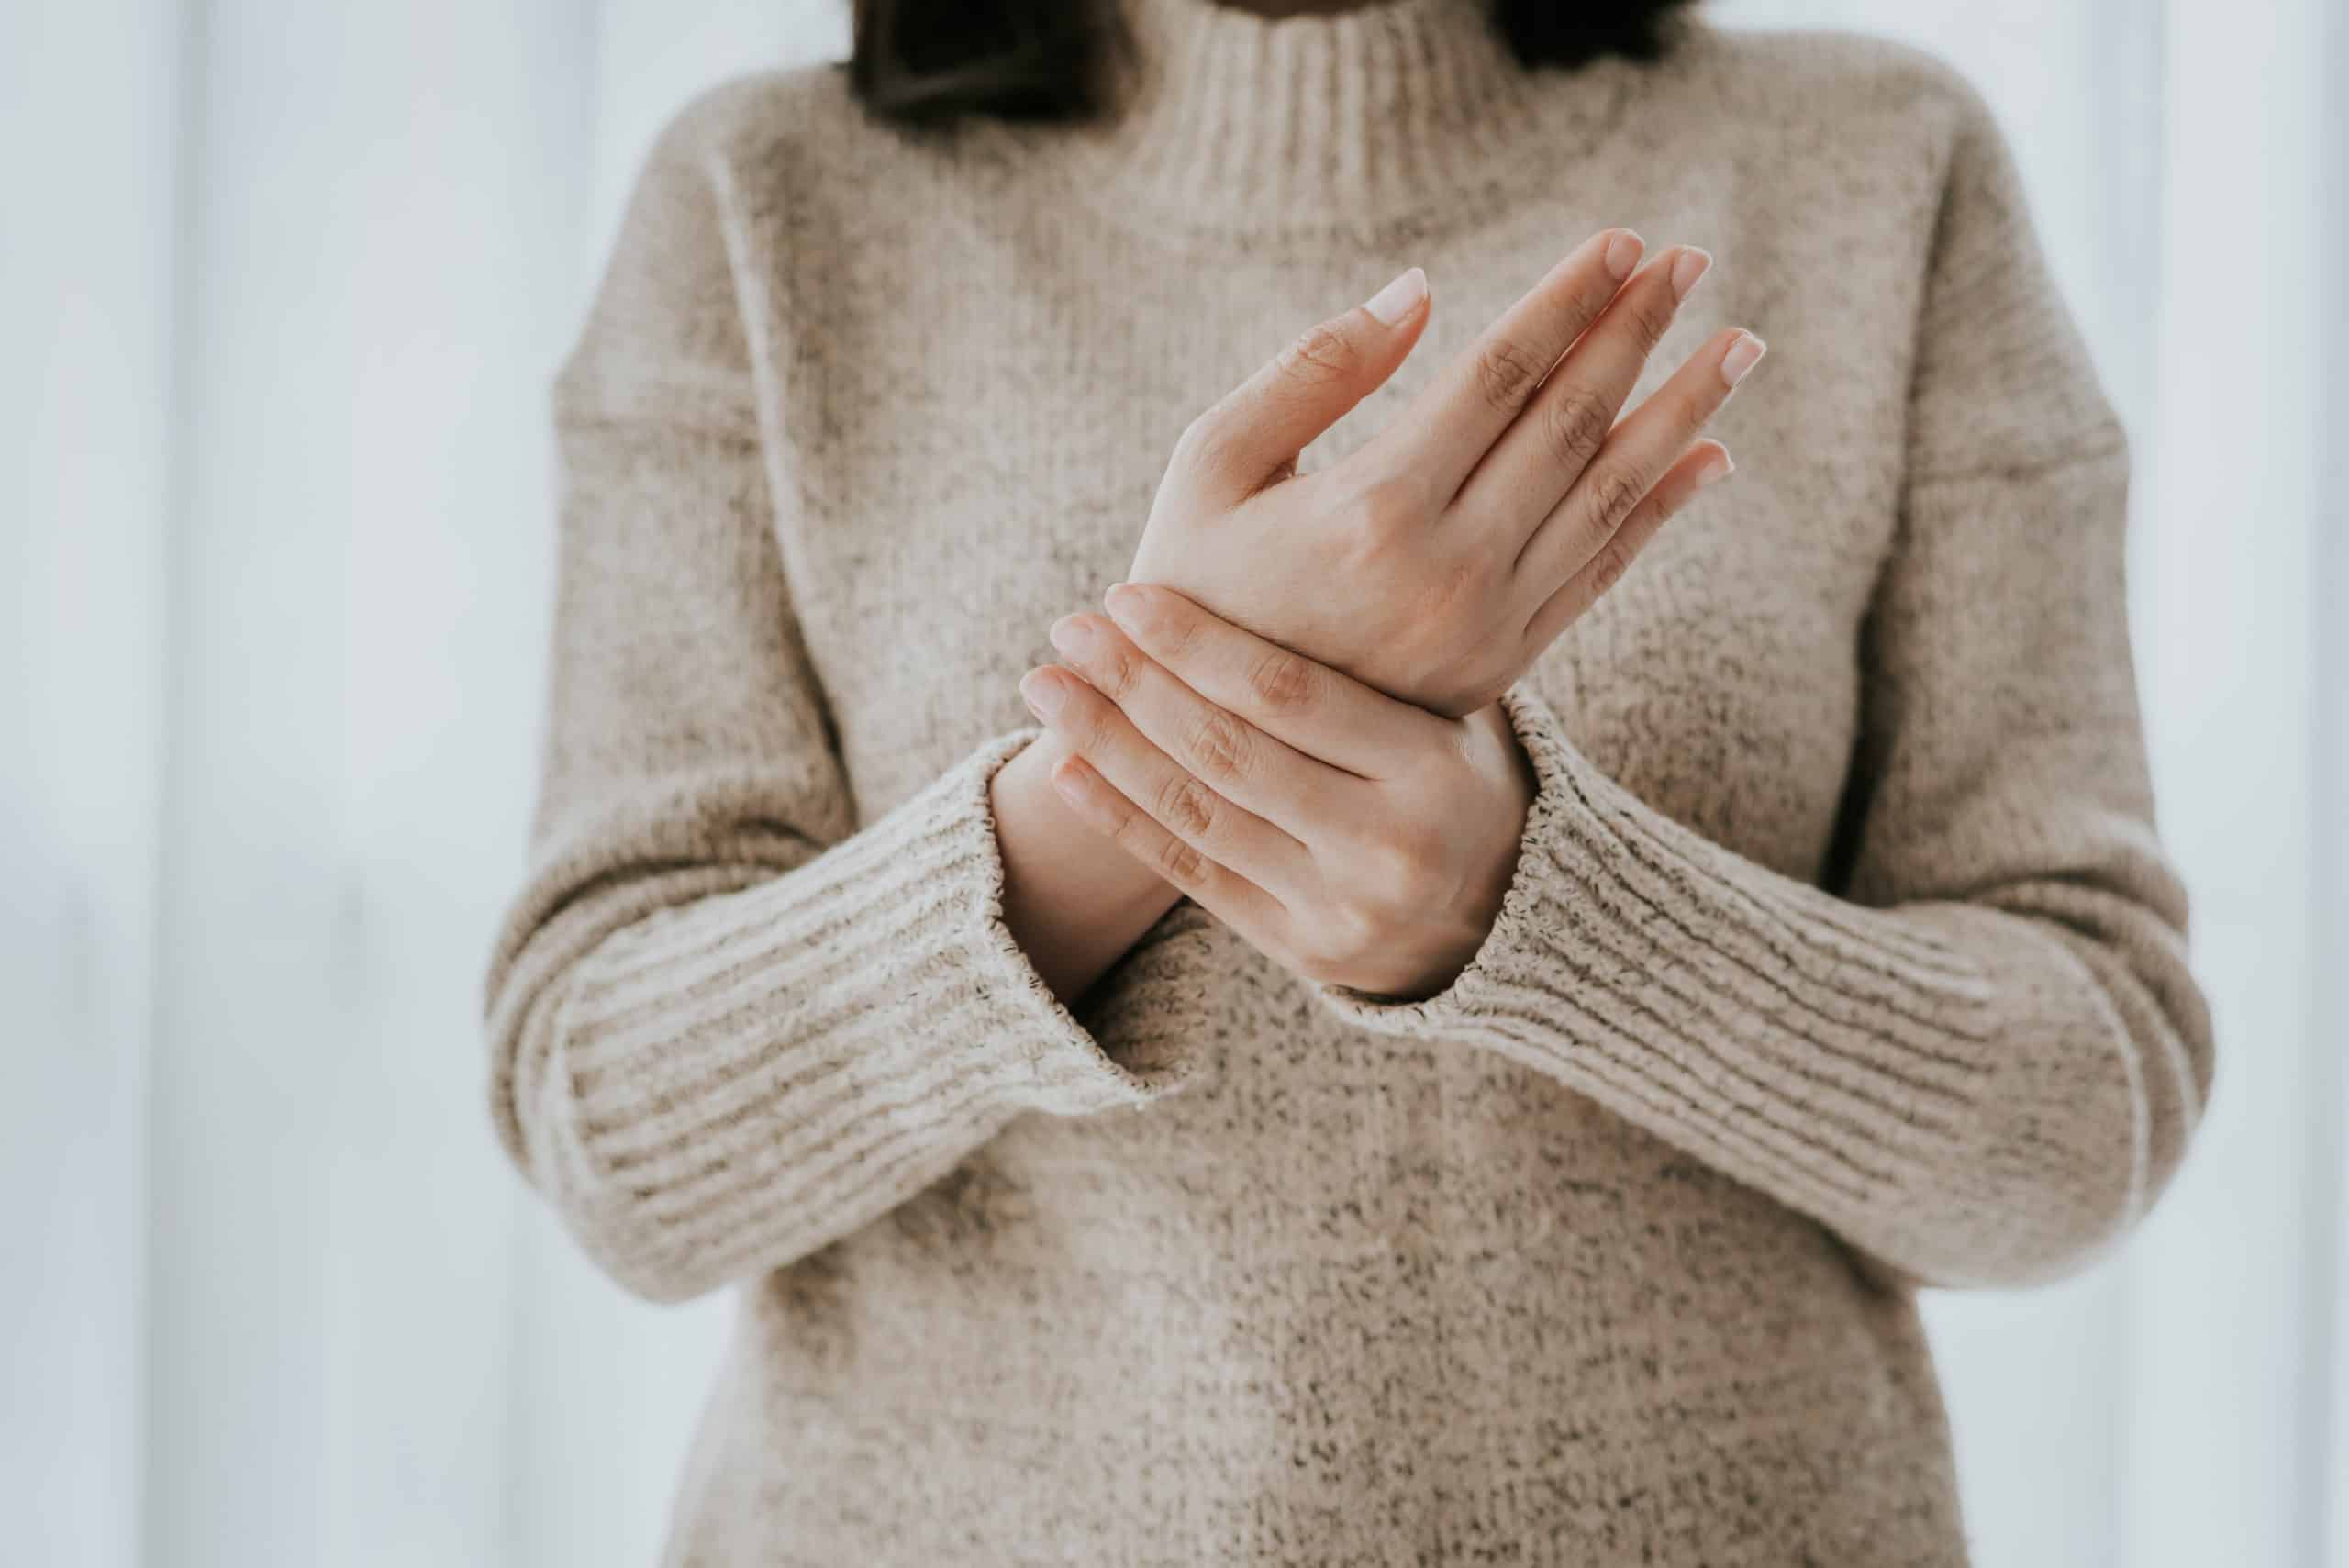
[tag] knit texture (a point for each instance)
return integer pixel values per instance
(1841, 957)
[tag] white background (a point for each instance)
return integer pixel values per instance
(281, 287)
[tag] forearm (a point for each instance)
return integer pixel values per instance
(1074, 901)
(715, 1050)
(1980, 1084)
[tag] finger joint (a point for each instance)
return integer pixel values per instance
(1178, 636)
(1181, 865)
(1187, 806)
(1614, 490)
(1282, 682)
(1205, 445)
(1116, 670)
(1220, 748)
(1319, 353)
(1576, 420)
(1506, 372)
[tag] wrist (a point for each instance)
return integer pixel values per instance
(1029, 808)
(1462, 917)
(1468, 927)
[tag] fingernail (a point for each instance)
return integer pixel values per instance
(1397, 300)
(1073, 637)
(1623, 254)
(1125, 604)
(1719, 466)
(1743, 356)
(1042, 691)
(1687, 269)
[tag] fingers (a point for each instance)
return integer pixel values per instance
(1630, 461)
(1451, 426)
(1255, 433)
(1706, 462)
(1217, 831)
(1254, 771)
(1319, 711)
(1545, 453)
(1232, 899)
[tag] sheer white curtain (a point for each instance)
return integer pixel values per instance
(280, 288)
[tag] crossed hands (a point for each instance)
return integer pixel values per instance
(1350, 838)
(1291, 712)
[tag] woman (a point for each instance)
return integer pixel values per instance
(1411, 1042)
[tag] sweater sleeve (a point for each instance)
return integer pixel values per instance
(1978, 1056)
(727, 1024)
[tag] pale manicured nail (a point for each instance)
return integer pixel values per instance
(1072, 637)
(1743, 356)
(1125, 604)
(1623, 254)
(1716, 467)
(1687, 269)
(1397, 300)
(1042, 693)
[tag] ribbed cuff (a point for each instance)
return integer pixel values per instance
(1805, 1041)
(808, 1052)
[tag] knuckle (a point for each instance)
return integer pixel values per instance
(1404, 855)
(1506, 372)
(1117, 672)
(1205, 445)
(1574, 423)
(1127, 828)
(1179, 863)
(1090, 730)
(1281, 682)
(1080, 716)
(1614, 490)
(1392, 504)
(1219, 747)
(1180, 635)
(1185, 805)
(1319, 353)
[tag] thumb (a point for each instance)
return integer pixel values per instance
(1253, 436)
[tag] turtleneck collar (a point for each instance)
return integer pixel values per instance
(1395, 114)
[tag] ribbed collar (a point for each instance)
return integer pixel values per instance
(1396, 115)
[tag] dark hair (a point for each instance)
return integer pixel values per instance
(918, 60)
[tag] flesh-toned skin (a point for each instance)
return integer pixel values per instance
(1506, 493)
(1319, 817)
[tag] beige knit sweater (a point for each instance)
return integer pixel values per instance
(1842, 955)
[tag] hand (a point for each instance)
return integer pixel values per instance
(1437, 562)
(1354, 839)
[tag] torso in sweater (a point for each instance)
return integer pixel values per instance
(1303, 1301)
(1346, 1296)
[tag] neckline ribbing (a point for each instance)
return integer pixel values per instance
(1396, 115)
